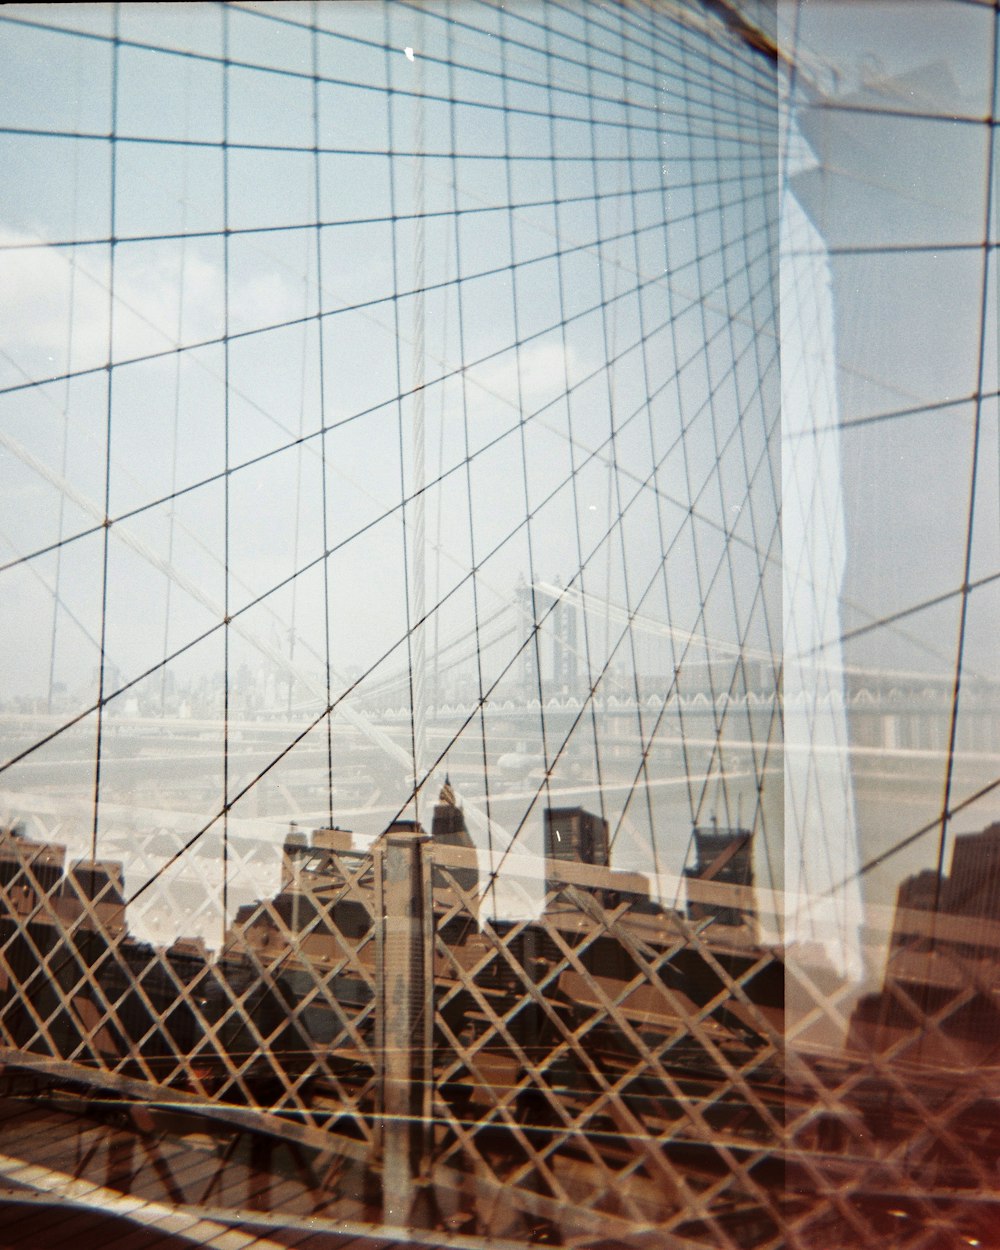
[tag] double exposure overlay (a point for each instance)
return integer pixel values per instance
(499, 557)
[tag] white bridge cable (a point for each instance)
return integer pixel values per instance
(413, 498)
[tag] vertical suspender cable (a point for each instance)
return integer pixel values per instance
(226, 549)
(419, 468)
(102, 673)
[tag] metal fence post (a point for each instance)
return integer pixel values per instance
(402, 1002)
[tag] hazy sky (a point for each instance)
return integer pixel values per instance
(552, 386)
(593, 365)
(169, 414)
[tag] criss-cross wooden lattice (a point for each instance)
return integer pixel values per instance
(595, 1063)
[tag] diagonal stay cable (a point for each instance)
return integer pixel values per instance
(277, 586)
(450, 63)
(301, 75)
(25, 244)
(288, 323)
(97, 136)
(891, 618)
(301, 440)
(762, 464)
(327, 711)
(895, 414)
(654, 579)
(592, 454)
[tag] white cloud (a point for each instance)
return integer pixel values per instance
(55, 303)
(543, 369)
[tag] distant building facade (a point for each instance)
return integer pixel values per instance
(938, 999)
(724, 856)
(576, 836)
